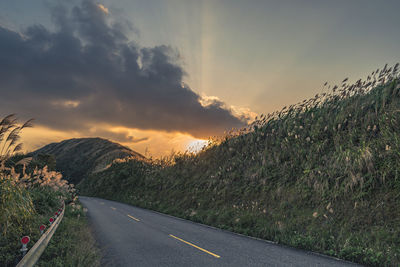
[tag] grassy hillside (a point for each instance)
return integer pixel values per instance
(323, 175)
(79, 157)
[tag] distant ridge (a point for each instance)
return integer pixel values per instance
(79, 157)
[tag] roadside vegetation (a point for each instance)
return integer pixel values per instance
(30, 193)
(73, 244)
(321, 175)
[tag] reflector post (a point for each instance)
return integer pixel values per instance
(25, 240)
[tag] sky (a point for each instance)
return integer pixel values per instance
(164, 75)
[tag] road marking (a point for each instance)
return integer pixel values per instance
(113, 208)
(102, 203)
(202, 249)
(133, 218)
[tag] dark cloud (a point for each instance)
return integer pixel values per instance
(87, 72)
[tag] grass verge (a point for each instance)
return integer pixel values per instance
(73, 243)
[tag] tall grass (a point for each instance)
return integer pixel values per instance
(28, 194)
(15, 206)
(321, 175)
(10, 135)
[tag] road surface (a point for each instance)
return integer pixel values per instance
(131, 236)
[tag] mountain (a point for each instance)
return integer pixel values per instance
(79, 157)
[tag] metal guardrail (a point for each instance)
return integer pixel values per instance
(36, 251)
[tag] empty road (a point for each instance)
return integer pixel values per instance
(131, 236)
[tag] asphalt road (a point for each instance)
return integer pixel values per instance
(131, 236)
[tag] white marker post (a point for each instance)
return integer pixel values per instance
(24, 240)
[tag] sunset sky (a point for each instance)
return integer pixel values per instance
(162, 75)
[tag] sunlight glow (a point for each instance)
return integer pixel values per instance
(196, 145)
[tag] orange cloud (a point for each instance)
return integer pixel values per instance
(103, 8)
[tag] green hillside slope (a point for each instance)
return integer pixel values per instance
(322, 175)
(79, 157)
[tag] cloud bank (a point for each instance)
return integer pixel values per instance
(88, 72)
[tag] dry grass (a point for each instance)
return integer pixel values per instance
(321, 175)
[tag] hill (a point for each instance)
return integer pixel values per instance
(76, 158)
(323, 175)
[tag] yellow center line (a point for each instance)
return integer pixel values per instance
(133, 218)
(202, 249)
(113, 208)
(102, 203)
